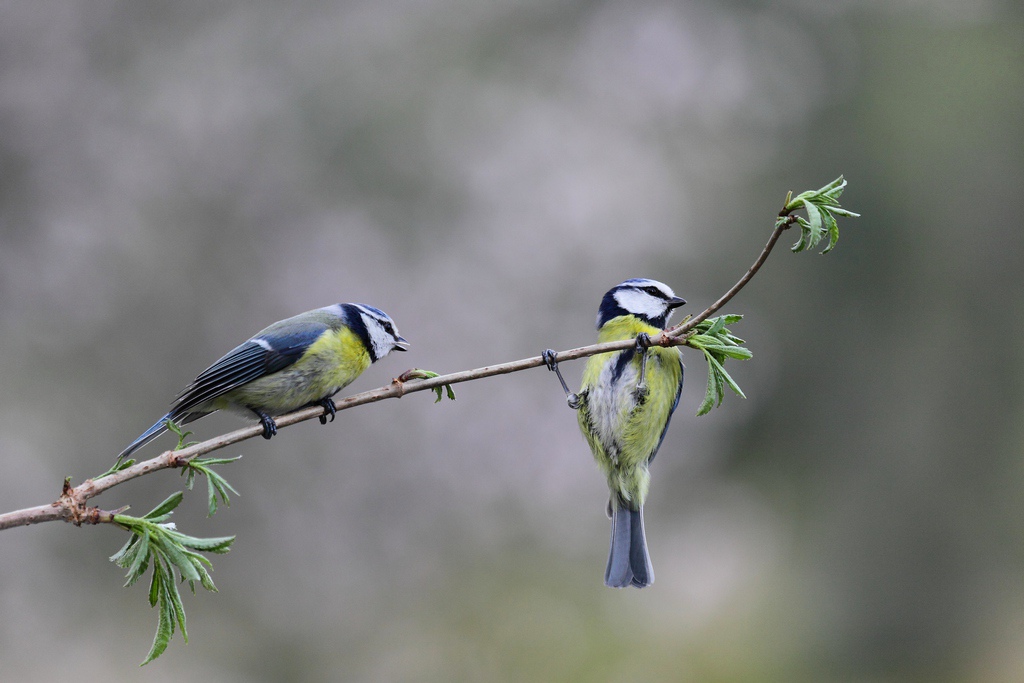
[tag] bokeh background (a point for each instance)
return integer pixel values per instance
(176, 175)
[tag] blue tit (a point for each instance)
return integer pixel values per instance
(300, 361)
(624, 406)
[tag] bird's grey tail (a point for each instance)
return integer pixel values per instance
(156, 430)
(629, 563)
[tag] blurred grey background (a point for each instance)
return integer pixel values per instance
(176, 175)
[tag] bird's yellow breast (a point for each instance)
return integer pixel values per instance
(624, 327)
(330, 363)
(340, 356)
(623, 429)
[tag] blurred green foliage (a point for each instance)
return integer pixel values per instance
(483, 173)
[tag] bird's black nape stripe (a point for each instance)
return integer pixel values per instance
(609, 309)
(356, 323)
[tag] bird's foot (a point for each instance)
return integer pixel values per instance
(269, 426)
(328, 405)
(551, 360)
(643, 342)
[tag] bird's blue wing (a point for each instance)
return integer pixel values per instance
(263, 355)
(679, 390)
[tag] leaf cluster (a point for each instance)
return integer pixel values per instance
(157, 542)
(822, 207)
(418, 373)
(714, 339)
(215, 482)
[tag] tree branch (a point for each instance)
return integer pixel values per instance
(687, 325)
(172, 556)
(71, 506)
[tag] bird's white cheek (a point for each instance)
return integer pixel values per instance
(640, 303)
(380, 340)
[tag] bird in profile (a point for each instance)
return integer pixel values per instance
(624, 406)
(299, 361)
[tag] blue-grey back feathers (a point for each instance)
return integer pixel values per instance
(272, 350)
(241, 365)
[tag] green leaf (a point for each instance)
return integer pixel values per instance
(165, 624)
(449, 392)
(739, 353)
(834, 189)
(173, 554)
(172, 596)
(814, 216)
(223, 487)
(211, 497)
(736, 352)
(117, 467)
(141, 560)
(805, 231)
(833, 231)
(219, 545)
(208, 462)
(154, 585)
(176, 429)
(164, 509)
(723, 375)
(204, 578)
(197, 560)
(710, 393)
(717, 326)
(116, 558)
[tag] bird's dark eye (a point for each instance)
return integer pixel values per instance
(654, 291)
(389, 328)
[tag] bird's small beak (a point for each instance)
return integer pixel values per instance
(401, 344)
(676, 302)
